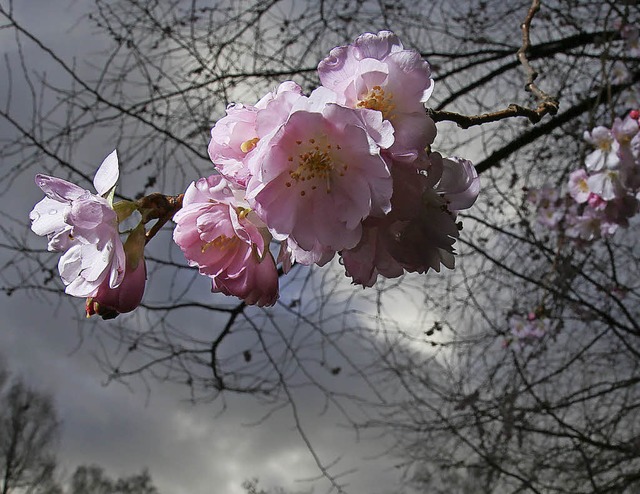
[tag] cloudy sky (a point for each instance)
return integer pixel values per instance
(187, 448)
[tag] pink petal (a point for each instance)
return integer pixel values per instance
(58, 189)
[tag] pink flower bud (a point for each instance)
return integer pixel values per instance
(109, 302)
(595, 201)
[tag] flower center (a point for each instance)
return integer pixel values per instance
(605, 146)
(583, 186)
(377, 99)
(316, 162)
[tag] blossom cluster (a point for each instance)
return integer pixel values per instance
(603, 195)
(343, 170)
(346, 170)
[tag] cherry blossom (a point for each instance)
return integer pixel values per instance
(419, 232)
(316, 176)
(84, 227)
(220, 234)
(346, 170)
(527, 330)
(377, 73)
(459, 183)
(606, 154)
(579, 187)
(602, 197)
(234, 136)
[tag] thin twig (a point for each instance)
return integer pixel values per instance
(547, 103)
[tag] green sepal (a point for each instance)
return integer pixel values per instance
(109, 195)
(134, 246)
(124, 209)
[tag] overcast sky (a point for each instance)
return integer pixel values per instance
(187, 448)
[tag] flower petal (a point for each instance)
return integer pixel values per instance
(107, 175)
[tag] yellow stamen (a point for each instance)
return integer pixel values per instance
(377, 99)
(247, 146)
(221, 243)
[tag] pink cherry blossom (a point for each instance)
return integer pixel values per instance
(459, 184)
(418, 234)
(219, 233)
(376, 72)
(525, 331)
(318, 174)
(578, 186)
(372, 256)
(109, 302)
(586, 226)
(84, 226)
(596, 202)
(234, 136)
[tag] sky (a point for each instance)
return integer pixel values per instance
(188, 448)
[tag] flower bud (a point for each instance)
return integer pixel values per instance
(109, 302)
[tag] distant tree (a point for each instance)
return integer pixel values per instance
(252, 487)
(91, 479)
(29, 430)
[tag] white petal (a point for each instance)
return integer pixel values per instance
(107, 175)
(47, 217)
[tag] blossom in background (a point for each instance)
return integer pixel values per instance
(579, 186)
(606, 154)
(527, 330)
(605, 194)
(551, 207)
(377, 73)
(606, 185)
(631, 36)
(84, 227)
(220, 234)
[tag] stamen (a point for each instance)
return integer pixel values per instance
(221, 243)
(243, 212)
(247, 146)
(377, 99)
(315, 164)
